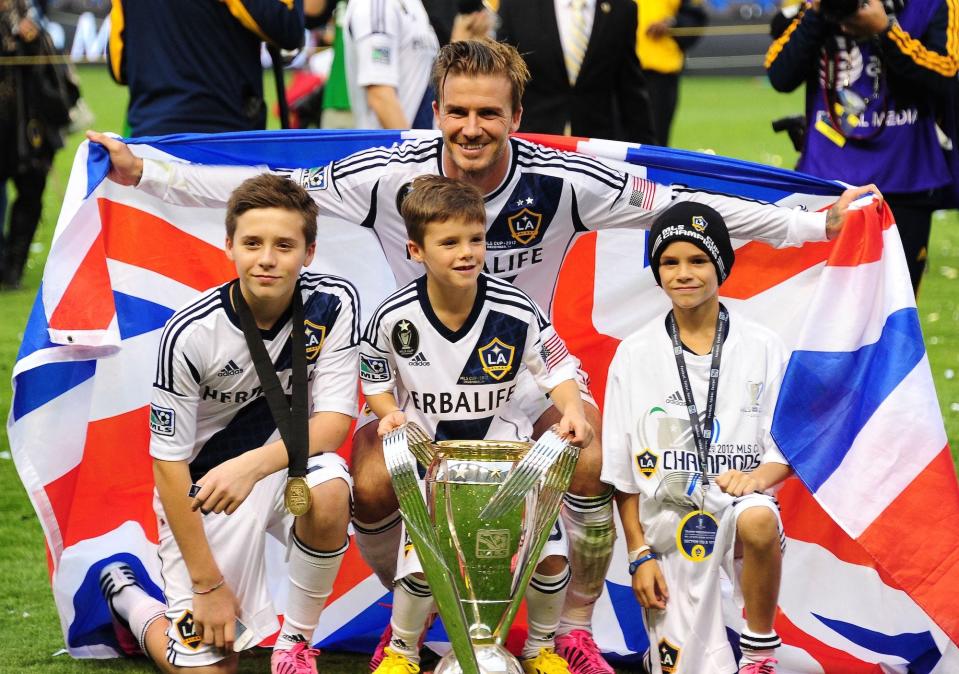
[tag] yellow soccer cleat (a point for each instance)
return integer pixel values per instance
(395, 663)
(545, 662)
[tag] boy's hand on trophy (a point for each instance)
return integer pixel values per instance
(391, 422)
(737, 483)
(576, 430)
(649, 586)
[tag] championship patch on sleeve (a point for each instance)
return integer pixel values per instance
(643, 193)
(373, 368)
(162, 420)
(381, 55)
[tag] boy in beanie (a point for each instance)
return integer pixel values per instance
(689, 405)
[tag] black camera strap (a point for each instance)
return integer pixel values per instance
(290, 417)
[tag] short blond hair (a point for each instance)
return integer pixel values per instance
(432, 198)
(481, 57)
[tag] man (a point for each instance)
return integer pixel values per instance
(194, 65)
(226, 363)
(390, 47)
(586, 77)
(537, 201)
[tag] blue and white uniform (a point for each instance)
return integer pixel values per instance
(208, 407)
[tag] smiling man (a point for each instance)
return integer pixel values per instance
(537, 201)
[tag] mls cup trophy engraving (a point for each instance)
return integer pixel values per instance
(489, 509)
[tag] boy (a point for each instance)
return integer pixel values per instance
(689, 404)
(213, 425)
(453, 343)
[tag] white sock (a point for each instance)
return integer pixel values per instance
(139, 609)
(589, 526)
(311, 576)
(544, 603)
(757, 646)
(378, 543)
(412, 603)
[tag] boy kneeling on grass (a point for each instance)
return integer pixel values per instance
(221, 421)
(689, 405)
(446, 351)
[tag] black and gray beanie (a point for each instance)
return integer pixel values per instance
(698, 224)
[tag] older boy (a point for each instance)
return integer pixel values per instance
(214, 424)
(689, 404)
(446, 351)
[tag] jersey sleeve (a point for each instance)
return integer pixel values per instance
(545, 354)
(374, 25)
(377, 365)
(604, 199)
(334, 384)
(176, 398)
(618, 425)
(776, 359)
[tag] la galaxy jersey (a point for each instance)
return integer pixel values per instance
(547, 198)
(646, 430)
(208, 404)
(460, 384)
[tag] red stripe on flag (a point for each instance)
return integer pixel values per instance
(112, 484)
(917, 541)
(860, 241)
(144, 240)
(568, 143)
(760, 267)
(573, 311)
(829, 658)
(87, 303)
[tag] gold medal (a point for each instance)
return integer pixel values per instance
(297, 496)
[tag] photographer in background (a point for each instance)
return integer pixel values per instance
(880, 102)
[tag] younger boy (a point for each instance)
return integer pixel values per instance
(689, 404)
(452, 344)
(213, 427)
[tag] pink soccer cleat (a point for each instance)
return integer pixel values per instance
(581, 653)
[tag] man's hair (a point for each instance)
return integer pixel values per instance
(272, 191)
(481, 57)
(438, 199)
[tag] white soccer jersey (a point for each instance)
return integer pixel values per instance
(208, 405)
(646, 431)
(460, 385)
(390, 42)
(546, 199)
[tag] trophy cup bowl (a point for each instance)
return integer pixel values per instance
(488, 511)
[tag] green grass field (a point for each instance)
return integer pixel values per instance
(728, 116)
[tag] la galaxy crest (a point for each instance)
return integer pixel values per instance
(524, 226)
(668, 656)
(315, 336)
(699, 223)
(647, 462)
(186, 628)
(497, 358)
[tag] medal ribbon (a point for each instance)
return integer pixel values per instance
(290, 417)
(702, 434)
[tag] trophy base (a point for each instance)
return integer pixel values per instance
(492, 659)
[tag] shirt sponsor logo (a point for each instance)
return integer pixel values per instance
(373, 368)
(497, 358)
(315, 336)
(162, 420)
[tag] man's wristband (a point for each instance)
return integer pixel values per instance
(633, 555)
(217, 585)
(639, 562)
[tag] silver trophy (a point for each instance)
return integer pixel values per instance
(488, 512)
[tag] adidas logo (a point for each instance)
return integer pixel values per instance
(229, 370)
(675, 398)
(419, 360)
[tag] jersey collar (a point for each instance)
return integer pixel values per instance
(452, 335)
